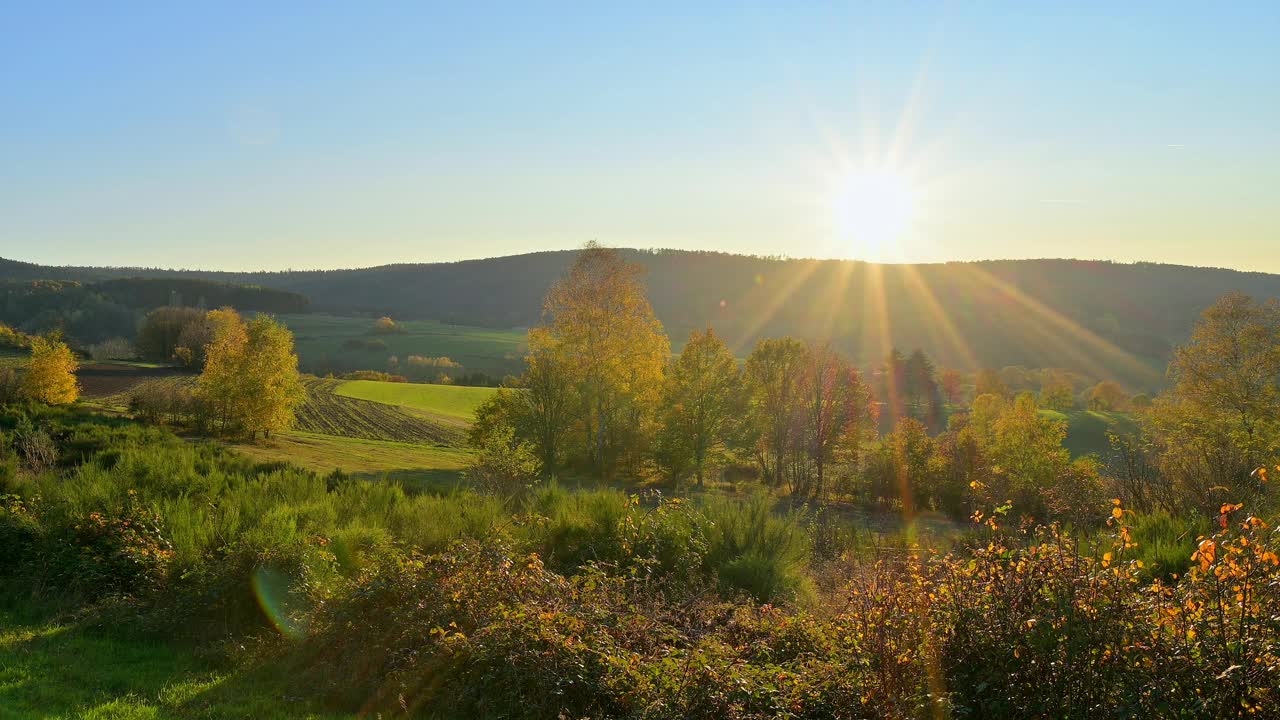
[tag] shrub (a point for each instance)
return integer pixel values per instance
(116, 348)
(10, 386)
(503, 466)
(374, 375)
(386, 326)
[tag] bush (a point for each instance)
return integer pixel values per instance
(10, 386)
(600, 604)
(374, 375)
(116, 348)
(386, 326)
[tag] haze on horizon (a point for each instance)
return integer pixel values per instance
(249, 137)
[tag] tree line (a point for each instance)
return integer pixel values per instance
(249, 382)
(603, 396)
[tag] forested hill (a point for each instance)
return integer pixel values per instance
(1108, 319)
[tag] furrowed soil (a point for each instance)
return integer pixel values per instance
(328, 413)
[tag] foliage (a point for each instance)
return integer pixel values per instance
(50, 375)
(772, 378)
(250, 378)
(700, 405)
(597, 603)
(1221, 419)
(116, 348)
(166, 329)
(386, 326)
(503, 465)
(603, 336)
(1108, 396)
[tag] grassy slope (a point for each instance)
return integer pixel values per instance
(450, 400)
(1087, 429)
(413, 464)
(51, 671)
(496, 352)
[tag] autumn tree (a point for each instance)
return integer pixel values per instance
(221, 384)
(772, 378)
(834, 408)
(607, 342)
(51, 373)
(271, 374)
(1221, 418)
(1057, 391)
(250, 378)
(386, 326)
(989, 382)
(1231, 367)
(952, 383)
(1108, 396)
(537, 412)
(701, 401)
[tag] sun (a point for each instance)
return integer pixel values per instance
(873, 208)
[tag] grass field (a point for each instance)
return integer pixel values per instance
(319, 339)
(451, 400)
(1087, 429)
(13, 358)
(415, 465)
(54, 671)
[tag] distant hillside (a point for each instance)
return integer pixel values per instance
(88, 310)
(1105, 319)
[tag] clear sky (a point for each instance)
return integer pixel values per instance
(270, 135)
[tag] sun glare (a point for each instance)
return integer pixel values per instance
(873, 209)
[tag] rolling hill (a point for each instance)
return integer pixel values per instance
(1101, 318)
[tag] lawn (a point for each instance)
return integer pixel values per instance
(319, 339)
(450, 400)
(54, 671)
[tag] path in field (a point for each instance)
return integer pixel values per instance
(455, 401)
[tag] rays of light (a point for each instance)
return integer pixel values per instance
(774, 300)
(940, 320)
(1060, 333)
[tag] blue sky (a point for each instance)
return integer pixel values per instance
(316, 135)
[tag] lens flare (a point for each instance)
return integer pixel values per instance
(282, 606)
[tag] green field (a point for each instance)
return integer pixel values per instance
(319, 339)
(13, 358)
(451, 400)
(54, 671)
(1087, 429)
(413, 464)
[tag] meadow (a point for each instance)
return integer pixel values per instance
(453, 401)
(1087, 429)
(319, 340)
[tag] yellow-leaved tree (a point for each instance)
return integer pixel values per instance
(271, 371)
(221, 384)
(250, 381)
(605, 338)
(51, 375)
